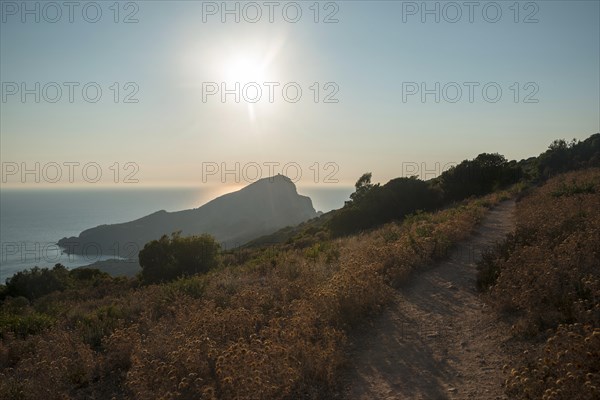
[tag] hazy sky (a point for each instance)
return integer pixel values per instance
(375, 61)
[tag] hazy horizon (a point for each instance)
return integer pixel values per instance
(134, 92)
(206, 193)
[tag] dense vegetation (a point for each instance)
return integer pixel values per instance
(38, 282)
(172, 257)
(374, 204)
(546, 278)
(563, 156)
(271, 320)
(371, 205)
(482, 175)
(269, 325)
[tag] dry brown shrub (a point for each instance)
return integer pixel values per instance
(269, 328)
(60, 365)
(549, 283)
(566, 368)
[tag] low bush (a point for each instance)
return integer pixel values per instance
(546, 279)
(272, 326)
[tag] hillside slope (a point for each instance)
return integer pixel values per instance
(235, 218)
(435, 341)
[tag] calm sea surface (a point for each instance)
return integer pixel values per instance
(32, 221)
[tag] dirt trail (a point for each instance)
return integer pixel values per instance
(437, 340)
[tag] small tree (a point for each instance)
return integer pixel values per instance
(373, 205)
(37, 282)
(363, 186)
(477, 177)
(168, 258)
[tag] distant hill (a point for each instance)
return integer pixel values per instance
(258, 209)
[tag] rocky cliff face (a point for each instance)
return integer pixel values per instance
(233, 219)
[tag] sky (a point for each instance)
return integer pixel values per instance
(192, 93)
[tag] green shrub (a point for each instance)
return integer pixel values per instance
(168, 258)
(482, 175)
(193, 286)
(374, 205)
(37, 282)
(23, 325)
(574, 189)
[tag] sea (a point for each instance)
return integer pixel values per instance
(33, 220)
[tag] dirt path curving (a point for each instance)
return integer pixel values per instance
(437, 340)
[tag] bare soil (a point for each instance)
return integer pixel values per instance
(437, 340)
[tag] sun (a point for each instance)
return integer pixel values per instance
(244, 69)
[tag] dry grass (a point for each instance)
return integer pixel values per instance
(546, 277)
(275, 329)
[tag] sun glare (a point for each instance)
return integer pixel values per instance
(237, 70)
(245, 69)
